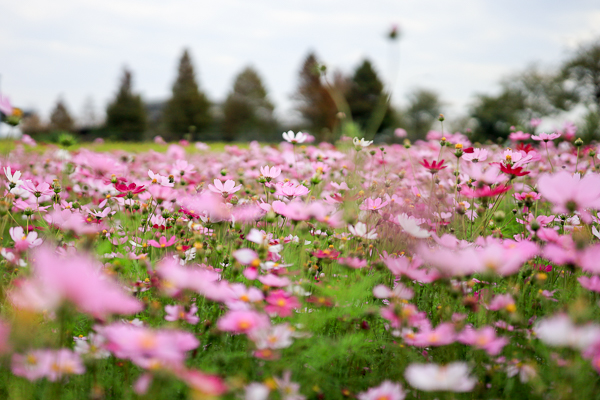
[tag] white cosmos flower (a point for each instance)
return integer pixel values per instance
(294, 138)
(13, 178)
(453, 377)
(362, 142)
(560, 331)
(411, 227)
(360, 230)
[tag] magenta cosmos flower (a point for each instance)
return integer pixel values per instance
(163, 242)
(224, 189)
(281, 303)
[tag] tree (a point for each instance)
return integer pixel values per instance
(188, 106)
(60, 119)
(531, 93)
(126, 116)
(584, 68)
(496, 114)
(422, 112)
(247, 110)
(368, 102)
(314, 101)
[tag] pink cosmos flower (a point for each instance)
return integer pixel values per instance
(386, 391)
(484, 338)
(503, 301)
(274, 281)
(476, 156)
(527, 196)
(373, 204)
(41, 189)
(569, 193)
(50, 364)
(400, 133)
(535, 122)
(224, 189)
(270, 173)
(177, 312)
(75, 278)
(281, 303)
(23, 242)
(453, 377)
(242, 321)
(519, 136)
(289, 190)
(353, 262)
(146, 347)
(545, 137)
(159, 179)
(163, 242)
(442, 335)
(592, 283)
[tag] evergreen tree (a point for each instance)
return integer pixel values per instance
(188, 106)
(126, 116)
(422, 112)
(368, 101)
(60, 119)
(314, 100)
(248, 113)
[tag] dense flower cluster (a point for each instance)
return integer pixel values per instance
(304, 271)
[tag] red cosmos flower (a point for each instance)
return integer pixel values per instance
(485, 191)
(329, 254)
(468, 150)
(517, 171)
(130, 189)
(524, 147)
(434, 167)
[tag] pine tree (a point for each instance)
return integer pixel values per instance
(126, 116)
(366, 98)
(60, 119)
(248, 113)
(188, 106)
(314, 100)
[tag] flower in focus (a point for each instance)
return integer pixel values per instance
(410, 226)
(224, 189)
(361, 143)
(163, 242)
(360, 230)
(128, 190)
(270, 173)
(433, 167)
(23, 242)
(373, 204)
(294, 138)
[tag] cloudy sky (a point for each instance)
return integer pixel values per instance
(76, 49)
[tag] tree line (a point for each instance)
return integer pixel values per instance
(331, 103)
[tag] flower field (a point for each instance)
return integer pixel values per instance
(437, 269)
